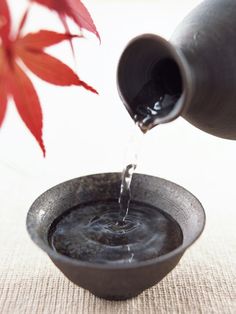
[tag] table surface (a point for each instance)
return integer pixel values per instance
(87, 134)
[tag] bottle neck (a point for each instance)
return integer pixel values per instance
(154, 80)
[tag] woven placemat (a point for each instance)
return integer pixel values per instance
(203, 282)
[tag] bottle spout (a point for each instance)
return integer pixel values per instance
(154, 81)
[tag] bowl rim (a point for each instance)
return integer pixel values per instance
(54, 255)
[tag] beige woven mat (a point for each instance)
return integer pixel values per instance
(204, 281)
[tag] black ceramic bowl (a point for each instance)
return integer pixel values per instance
(116, 281)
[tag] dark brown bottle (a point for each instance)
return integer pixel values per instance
(192, 75)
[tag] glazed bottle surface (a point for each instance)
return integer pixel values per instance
(202, 51)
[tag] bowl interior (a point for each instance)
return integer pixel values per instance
(174, 200)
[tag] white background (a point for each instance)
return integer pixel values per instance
(86, 134)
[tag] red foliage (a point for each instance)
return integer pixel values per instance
(5, 20)
(13, 80)
(74, 9)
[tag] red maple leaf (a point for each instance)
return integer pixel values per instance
(74, 9)
(13, 80)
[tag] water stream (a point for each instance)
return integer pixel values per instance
(125, 231)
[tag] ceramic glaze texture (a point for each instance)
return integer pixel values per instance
(116, 281)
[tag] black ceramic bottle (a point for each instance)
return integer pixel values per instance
(203, 50)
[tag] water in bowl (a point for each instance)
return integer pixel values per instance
(91, 233)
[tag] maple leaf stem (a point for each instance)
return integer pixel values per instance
(63, 20)
(23, 20)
